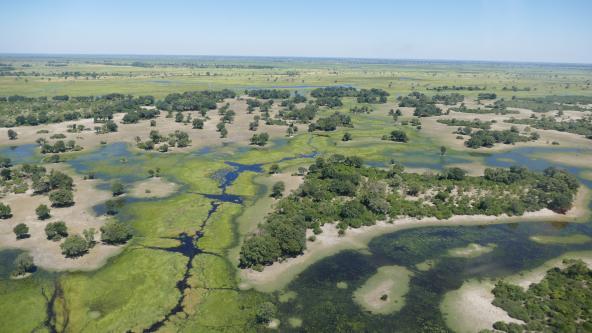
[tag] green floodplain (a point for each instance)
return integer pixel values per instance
(181, 269)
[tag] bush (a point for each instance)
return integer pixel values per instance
(74, 246)
(115, 232)
(61, 198)
(265, 312)
(278, 189)
(5, 211)
(42, 212)
(56, 230)
(21, 231)
(23, 264)
(398, 136)
(117, 188)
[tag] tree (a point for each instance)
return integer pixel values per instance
(61, 198)
(5, 211)
(12, 134)
(346, 137)
(274, 168)
(265, 312)
(223, 132)
(278, 189)
(117, 188)
(21, 231)
(42, 212)
(116, 232)
(260, 139)
(89, 236)
(23, 264)
(442, 151)
(198, 123)
(398, 136)
(74, 246)
(56, 230)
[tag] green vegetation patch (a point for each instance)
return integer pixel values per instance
(561, 302)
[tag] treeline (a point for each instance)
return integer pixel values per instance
(487, 138)
(476, 123)
(268, 93)
(445, 88)
(331, 96)
(581, 126)
(450, 99)
(194, 100)
(551, 103)
(424, 106)
(20, 110)
(499, 107)
(342, 189)
(331, 123)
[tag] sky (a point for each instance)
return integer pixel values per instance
(497, 30)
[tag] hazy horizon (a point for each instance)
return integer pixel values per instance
(504, 31)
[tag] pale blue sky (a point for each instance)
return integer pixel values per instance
(520, 30)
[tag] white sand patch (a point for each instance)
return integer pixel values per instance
(155, 187)
(469, 309)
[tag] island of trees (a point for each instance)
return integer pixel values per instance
(341, 189)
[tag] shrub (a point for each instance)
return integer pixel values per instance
(115, 232)
(61, 198)
(5, 211)
(74, 246)
(56, 230)
(42, 212)
(21, 231)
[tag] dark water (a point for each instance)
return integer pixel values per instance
(325, 308)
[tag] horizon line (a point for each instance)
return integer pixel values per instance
(297, 57)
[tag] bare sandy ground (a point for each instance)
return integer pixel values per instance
(154, 187)
(278, 275)
(392, 281)
(238, 131)
(47, 254)
(469, 309)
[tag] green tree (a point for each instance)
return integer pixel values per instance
(117, 188)
(89, 236)
(74, 246)
(42, 212)
(21, 231)
(23, 264)
(346, 136)
(5, 211)
(442, 151)
(278, 189)
(12, 135)
(61, 198)
(116, 232)
(56, 230)
(265, 312)
(274, 168)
